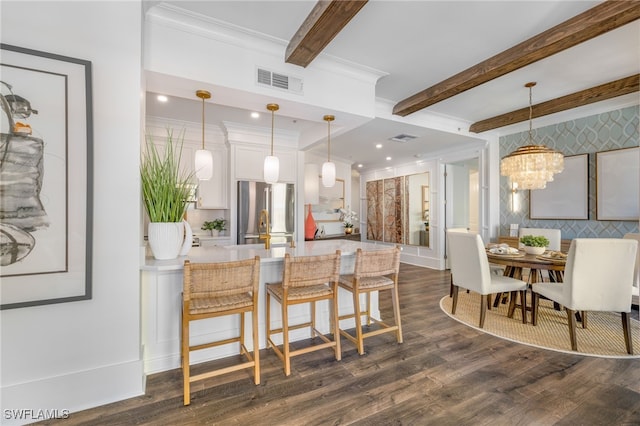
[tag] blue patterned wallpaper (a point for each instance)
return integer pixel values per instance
(603, 132)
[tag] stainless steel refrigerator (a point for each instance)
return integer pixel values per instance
(278, 199)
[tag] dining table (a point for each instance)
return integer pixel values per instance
(516, 263)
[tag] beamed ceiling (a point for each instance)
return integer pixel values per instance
(473, 57)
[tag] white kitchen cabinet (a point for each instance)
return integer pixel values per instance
(213, 193)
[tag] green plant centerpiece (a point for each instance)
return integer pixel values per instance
(165, 194)
(534, 244)
(215, 226)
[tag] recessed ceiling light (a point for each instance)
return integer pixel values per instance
(388, 158)
(162, 98)
(379, 145)
(360, 166)
(255, 115)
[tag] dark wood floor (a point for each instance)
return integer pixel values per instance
(444, 373)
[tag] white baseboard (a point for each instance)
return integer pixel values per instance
(42, 399)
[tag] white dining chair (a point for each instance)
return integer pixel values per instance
(470, 270)
(495, 269)
(598, 276)
(636, 283)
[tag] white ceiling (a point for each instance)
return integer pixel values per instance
(420, 43)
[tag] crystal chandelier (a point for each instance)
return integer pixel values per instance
(532, 166)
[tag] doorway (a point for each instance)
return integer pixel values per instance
(462, 197)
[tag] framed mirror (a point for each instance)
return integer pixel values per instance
(330, 202)
(398, 209)
(417, 209)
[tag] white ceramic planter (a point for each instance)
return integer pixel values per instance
(166, 239)
(534, 250)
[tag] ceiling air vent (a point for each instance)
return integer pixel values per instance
(279, 81)
(403, 137)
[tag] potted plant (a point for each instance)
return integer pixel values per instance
(534, 244)
(349, 217)
(165, 193)
(215, 226)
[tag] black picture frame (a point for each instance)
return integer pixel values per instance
(47, 223)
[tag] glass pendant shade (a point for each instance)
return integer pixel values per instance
(531, 166)
(204, 164)
(328, 174)
(204, 159)
(271, 162)
(271, 169)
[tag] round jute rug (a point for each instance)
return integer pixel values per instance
(603, 337)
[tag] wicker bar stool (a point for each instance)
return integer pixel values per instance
(305, 279)
(214, 290)
(374, 271)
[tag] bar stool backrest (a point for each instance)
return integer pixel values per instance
(303, 271)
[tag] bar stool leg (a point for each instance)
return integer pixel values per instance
(285, 340)
(256, 346)
(357, 317)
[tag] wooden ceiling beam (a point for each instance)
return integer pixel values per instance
(605, 91)
(598, 20)
(323, 23)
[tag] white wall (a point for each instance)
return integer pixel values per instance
(83, 354)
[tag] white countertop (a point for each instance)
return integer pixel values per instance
(241, 252)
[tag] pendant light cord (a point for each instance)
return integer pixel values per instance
(203, 123)
(272, 124)
(530, 114)
(329, 140)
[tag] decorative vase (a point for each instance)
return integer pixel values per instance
(167, 239)
(348, 230)
(188, 239)
(309, 226)
(534, 250)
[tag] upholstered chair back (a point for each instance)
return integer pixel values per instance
(469, 263)
(599, 274)
(636, 237)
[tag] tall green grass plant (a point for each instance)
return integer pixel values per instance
(165, 188)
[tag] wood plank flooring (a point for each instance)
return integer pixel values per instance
(444, 373)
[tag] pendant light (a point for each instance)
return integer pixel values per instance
(271, 163)
(328, 168)
(532, 166)
(204, 159)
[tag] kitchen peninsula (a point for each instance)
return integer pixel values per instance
(161, 295)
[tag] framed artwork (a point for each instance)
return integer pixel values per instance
(617, 184)
(567, 196)
(46, 177)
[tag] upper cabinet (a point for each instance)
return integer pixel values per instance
(213, 193)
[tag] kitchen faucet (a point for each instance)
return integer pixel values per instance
(264, 223)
